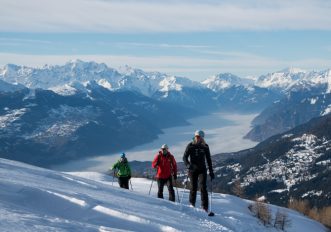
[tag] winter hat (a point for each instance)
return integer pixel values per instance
(123, 155)
(164, 146)
(199, 133)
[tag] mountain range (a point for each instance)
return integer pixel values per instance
(54, 113)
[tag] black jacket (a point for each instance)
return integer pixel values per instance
(198, 153)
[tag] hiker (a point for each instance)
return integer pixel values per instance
(124, 171)
(166, 166)
(194, 158)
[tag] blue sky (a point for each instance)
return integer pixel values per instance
(189, 38)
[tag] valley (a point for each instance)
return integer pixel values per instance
(224, 133)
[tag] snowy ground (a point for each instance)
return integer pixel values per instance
(36, 199)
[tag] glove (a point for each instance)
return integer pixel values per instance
(212, 176)
(188, 166)
(175, 176)
(129, 177)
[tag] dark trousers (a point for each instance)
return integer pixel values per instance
(123, 181)
(168, 182)
(201, 177)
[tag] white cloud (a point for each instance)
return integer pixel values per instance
(22, 42)
(195, 68)
(162, 16)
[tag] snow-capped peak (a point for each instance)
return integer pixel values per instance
(284, 79)
(328, 78)
(295, 78)
(222, 81)
(61, 78)
(127, 70)
(9, 68)
(170, 83)
(91, 66)
(292, 70)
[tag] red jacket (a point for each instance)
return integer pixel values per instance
(166, 165)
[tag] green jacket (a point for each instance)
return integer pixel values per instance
(123, 168)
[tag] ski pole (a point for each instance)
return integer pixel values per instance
(177, 191)
(211, 213)
(112, 183)
(184, 188)
(131, 185)
(149, 193)
(211, 195)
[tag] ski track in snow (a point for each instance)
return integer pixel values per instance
(80, 182)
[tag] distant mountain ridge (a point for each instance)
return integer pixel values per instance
(210, 95)
(148, 83)
(77, 71)
(293, 79)
(289, 112)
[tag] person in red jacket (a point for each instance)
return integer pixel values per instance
(166, 166)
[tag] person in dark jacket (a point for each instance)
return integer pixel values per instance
(124, 171)
(166, 166)
(196, 153)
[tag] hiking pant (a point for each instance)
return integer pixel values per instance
(123, 181)
(161, 183)
(201, 176)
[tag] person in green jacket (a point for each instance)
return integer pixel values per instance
(124, 171)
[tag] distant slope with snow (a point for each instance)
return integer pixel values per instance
(294, 164)
(283, 115)
(6, 87)
(36, 199)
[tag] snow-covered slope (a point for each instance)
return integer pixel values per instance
(36, 199)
